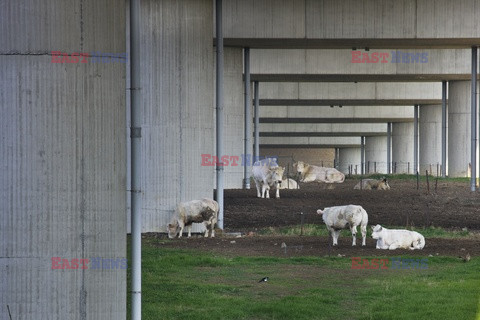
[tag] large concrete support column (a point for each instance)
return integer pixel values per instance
(444, 129)
(459, 124)
(430, 149)
(402, 147)
(63, 161)
(178, 97)
(389, 148)
(349, 160)
(375, 155)
(234, 116)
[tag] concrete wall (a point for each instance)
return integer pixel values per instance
(350, 90)
(62, 154)
(342, 128)
(315, 156)
(351, 19)
(351, 112)
(234, 115)
(459, 138)
(376, 154)
(402, 148)
(350, 157)
(339, 61)
(177, 94)
(430, 139)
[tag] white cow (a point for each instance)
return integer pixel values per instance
(373, 184)
(310, 173)
(266, 174)
(288, 184)
(337, 218)
(195, 211)
(392, 239)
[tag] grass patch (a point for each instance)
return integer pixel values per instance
(321, 231)
(422, 177)
(183, 284)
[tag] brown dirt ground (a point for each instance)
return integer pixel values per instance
(452, 206)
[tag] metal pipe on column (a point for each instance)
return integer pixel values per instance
(415, 139)
(136, 160)
(219, 110)
(248, 119)
(444, 129)
(389, 146)
(473, 115)
(257, 122)
(362, 155)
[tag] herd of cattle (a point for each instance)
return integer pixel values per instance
(267, 173)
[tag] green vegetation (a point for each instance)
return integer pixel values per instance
(321, 230)
(182, 284)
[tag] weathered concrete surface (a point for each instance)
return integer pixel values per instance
(459, 138)
(376, 154)
(63, 161)
(402, 148)
(177, 86)
(350, 160)
(430, 139)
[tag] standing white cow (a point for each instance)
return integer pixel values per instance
(266, 174)
(392, 238)
(339, 217)
(311, 173)
(195, 211)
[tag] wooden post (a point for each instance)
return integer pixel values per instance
(428, 183)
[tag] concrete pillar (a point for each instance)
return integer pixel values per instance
(459, 124)
(62, 161)
(349, 160)
(178, 97)
(430, 145)
(234, 116)
(375, 155)
(402, 147)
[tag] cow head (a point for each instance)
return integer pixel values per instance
(383, 185)
(277, 174)
(173, 229)
(299, 166)
(319, 211)
(377, 231)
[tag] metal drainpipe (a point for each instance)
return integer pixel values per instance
(257, 123)
(248, 120)
(415, 139)
(444, 129)
(219, 109)
(473, 116)
(389, 146)
(136, 134)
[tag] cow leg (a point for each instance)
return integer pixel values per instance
(189, 227)
(277, 193)
(181, 225)
(265, 191)
(205, 223)
(364, 235)
(354, 235)
(393, 246)
(337, 235)
(258, 189)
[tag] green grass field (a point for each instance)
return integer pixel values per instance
(181, 284)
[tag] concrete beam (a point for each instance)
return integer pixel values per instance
(421, 77)
(347, 102)
(333, 120)
(334, 24)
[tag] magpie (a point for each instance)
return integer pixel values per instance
(264, 279)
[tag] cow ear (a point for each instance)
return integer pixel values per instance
(319, 211)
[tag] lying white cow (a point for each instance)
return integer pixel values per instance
(373, 184)
(195, 211)
(266, 174)
(311, 173)
(392, 239)
(288, 184)
(337, 218)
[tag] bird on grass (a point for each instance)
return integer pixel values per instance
(263, 279)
